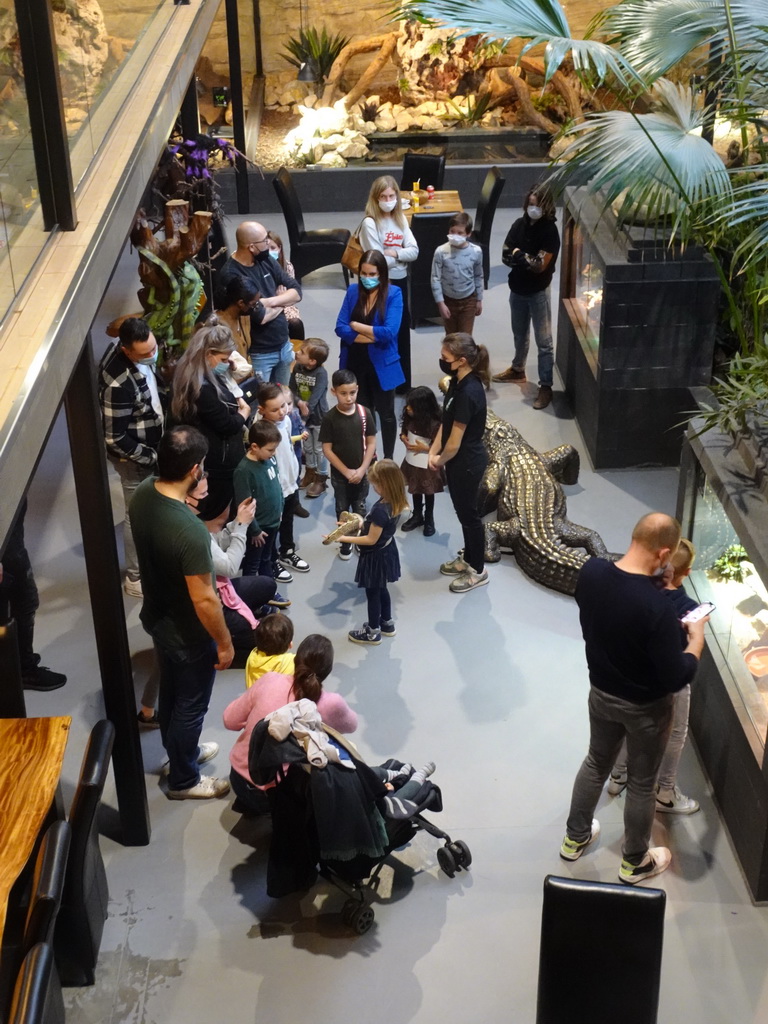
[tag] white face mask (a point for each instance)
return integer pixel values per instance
(535, 212)
(387, 205)
(457, 239)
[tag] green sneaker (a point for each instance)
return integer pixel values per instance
(653, 863)
(571, 850)
(455, 567)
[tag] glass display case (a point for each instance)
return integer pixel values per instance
(586, 286)
(738, 630)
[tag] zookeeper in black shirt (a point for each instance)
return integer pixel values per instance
(459, 447)
(530, 250)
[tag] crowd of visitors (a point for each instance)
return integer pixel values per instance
(213, 480)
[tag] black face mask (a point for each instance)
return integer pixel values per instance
(261, 257)
(445, 366)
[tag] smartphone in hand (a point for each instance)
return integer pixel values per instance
(700, 612)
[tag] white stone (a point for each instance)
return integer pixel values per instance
(318, 152)
(353, 150)
(385, 122)
(332, 141)
(310, 101)
(428, 124)
(333, 160)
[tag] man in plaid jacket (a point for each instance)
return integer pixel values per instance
(133, 401)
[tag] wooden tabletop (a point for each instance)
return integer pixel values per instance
(441, 202)
(31, 756)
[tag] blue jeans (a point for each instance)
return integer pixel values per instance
(526, 310)
(274, 366)
(186, 682)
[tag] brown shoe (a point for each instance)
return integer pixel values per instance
(309, 476)
(509, 376)
(300, 511)
(543, 398)
(318, 485)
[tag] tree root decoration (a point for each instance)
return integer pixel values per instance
(531, 114)
(559, 80)
(385, 43)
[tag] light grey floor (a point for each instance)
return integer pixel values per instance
(491, 685)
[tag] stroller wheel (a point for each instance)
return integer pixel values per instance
(447, 861)
(461, 853)
(361, 919)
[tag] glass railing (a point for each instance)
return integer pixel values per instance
(102, 46)
(21, 224)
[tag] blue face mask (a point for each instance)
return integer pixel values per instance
(149, 361)
(221, 368)
(369, 282)
(275, 254)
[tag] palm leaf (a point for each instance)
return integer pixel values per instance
(657, 160)
(540, 22)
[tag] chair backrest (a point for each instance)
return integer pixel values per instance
(86, 895)
(429, 170)
(37, 997)
(291, 207)
(600, 957)
(47, 886)
(490, 193)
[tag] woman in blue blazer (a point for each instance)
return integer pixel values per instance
(368, 325)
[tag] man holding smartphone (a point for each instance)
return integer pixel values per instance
(636, 665)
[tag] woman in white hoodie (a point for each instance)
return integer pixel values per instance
(385, 228)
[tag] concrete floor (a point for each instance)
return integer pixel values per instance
(492, 685)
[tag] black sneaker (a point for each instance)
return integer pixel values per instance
(42, 678)
(290, 560)
(366, 635)
(388, 627)
(282, 575)
(345, 552)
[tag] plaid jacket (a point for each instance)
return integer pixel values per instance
(132, 428)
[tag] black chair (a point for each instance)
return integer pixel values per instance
(600, 957)
(37, 997)
(429, 230)
(429, 170)
(310, 250)
(83, 911)
(492, 188)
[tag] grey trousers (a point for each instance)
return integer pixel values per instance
(131, 475)
(646, 727)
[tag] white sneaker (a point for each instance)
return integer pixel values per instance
(653, 863)
(571, 850)
(672, 801)
(133, 588)
(206, 751)
(617, 781)
(206, 789)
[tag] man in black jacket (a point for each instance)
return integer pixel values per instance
(530, 250)
(132, 398)
(636, 663)
(271, 349)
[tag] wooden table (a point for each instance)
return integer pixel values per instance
(31, 756)
(442, 202)
(430, 228)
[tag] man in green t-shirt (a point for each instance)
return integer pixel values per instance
(181, 610)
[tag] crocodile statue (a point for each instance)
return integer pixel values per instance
(523, 487)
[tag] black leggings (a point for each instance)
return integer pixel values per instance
(379, 606)
(464, 476)
(382, 402)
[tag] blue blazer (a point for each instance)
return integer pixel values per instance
(383, 348)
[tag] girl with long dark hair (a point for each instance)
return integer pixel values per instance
(367, 326)
(419, 427)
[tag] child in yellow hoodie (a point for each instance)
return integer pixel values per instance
(272, 653)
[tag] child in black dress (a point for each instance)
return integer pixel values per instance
(379, 562)
(420, 424)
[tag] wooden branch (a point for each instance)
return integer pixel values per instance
(373, 69)
(176, 216)
(559, 80)
(532, 115)
(350, 50)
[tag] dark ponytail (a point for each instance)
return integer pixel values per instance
(314, 661)
(477, 357)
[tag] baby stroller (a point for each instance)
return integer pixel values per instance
(329, 812)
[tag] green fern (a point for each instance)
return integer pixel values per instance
(728, 567)
(315, 48)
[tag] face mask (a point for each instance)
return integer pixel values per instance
(220, 369)
(369, 282)
(535, 212)
(457, 239)
(262, 256)
(446, 367)
(149, 361)
(387, 205)
(275, 254)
